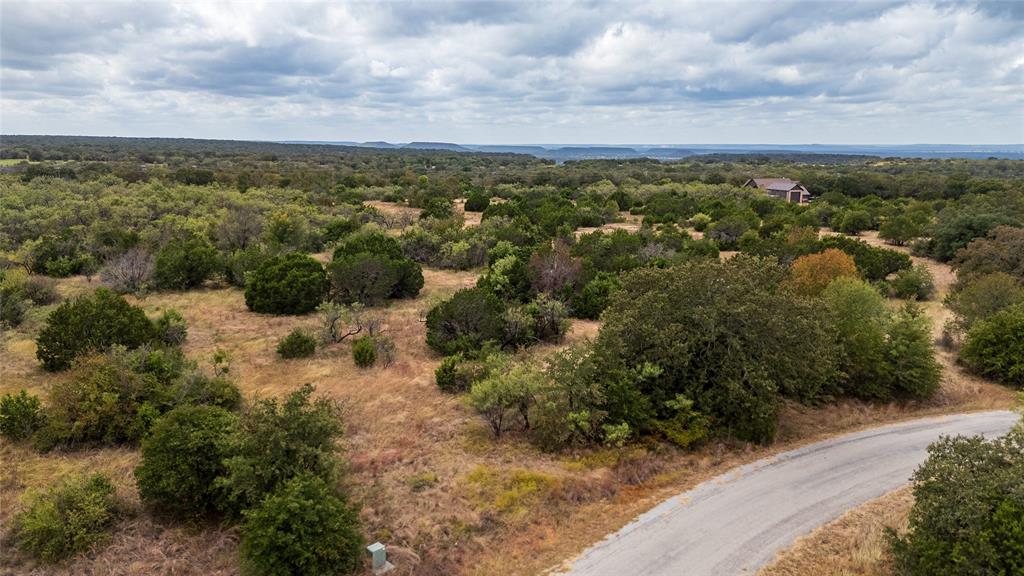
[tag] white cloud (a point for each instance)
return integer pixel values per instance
(671, 72)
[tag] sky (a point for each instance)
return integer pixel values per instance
(517, 72)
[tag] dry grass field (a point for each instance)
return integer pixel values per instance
(432, 483)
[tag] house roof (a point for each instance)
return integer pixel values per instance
(778, 184)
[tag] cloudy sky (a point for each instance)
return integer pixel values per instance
(520, 72)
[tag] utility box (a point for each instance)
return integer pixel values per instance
(379, 558)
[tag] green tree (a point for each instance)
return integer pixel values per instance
(277, 441)
(302, 527)
(466, 322)
(181, 458)
(88, 324)
(968, 516)
(291, 284)
(184, 263)
(994, 347)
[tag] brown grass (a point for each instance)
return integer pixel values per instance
(433, 485)
(852, 545)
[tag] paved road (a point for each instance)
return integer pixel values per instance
(736, 523)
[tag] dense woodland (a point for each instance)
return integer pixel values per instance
(717, 306)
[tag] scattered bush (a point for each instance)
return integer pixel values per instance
(68, 519)
(101, 404)
(589, 302)
(181, 458)
(725, 335)
(505, 397)
(364, 353)
(297, 344)
(20, 415)
(171, 328)
(184, 263)
(13, 305)
(994, 347)
(439, 208)
(477, 202)
(91, 324)
(983, 297)
(465, 322)
(291, 284)
(968, 516)
(872, 263)
(854, 222)
(1001, 251)
(41, 290)
(303, 527)
(883, 355)
(277, 441)
(385, 349)
(810, 274)
(456, 374)
(914, 283)
(130, 272)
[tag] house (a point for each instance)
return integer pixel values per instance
(784, 188)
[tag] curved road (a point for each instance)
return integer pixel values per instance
(735, 523)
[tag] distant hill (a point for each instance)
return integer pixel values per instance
(436, 146)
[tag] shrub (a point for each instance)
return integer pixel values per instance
(477, 202)
(810, 274)
(91, 324)
(725, 335)
(67, 519)
(911, 369)
(914, 283)
(59, 255)
(994, 347)
(99, 404)
(340, 228)
(439, 208)
(549, 318)
(240, 264)
(370, 268)
(303, 527)
(197, 389)
(181, 458)
(20, 415)
(297, 344)
(465, 322)
(594, 297)
(171, 328)
(291, 284)
(900, 229)
(1001, 251)
(129, 272)
(384, 349)
(41, 290)
(854, 222)
(456, 374)
(968, 516)
(506, 396)
(364, 353)
(184, 263)
(983, 297)
(275, 442)
(884, 355)
(872, 263)
(12, 306)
